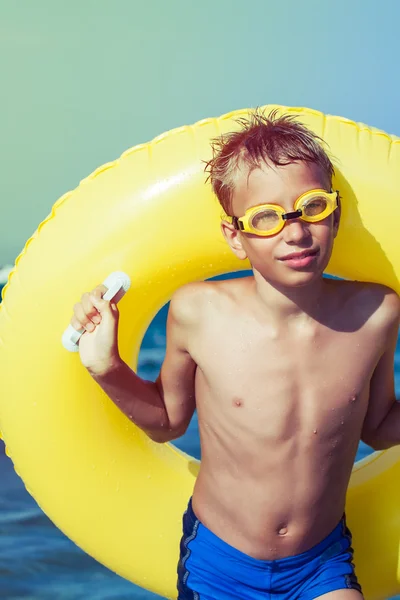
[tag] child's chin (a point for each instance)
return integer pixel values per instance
(303, 278)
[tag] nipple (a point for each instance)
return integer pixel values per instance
(237, 402)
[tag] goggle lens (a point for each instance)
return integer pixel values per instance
(314, 207)
(265, 220)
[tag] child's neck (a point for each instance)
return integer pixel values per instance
(282, 304)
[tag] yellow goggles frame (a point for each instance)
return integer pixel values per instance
(244, 223)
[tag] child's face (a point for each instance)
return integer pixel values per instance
(270, 255)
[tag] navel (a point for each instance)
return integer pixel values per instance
(282, 530)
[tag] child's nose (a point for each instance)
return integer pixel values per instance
(296, 230)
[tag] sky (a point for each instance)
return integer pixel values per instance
(84, 80)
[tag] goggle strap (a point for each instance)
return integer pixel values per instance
(237, 224)
(292, 215)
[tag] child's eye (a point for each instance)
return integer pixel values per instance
(314, 207)
(265, 220)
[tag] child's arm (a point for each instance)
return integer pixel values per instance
(162, 409)
(381, 428)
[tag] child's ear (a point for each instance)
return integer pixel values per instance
(234, 239)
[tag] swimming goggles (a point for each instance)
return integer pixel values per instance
(269, 219)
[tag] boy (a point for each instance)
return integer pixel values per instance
(287, 371)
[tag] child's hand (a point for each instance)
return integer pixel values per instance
(98, 346)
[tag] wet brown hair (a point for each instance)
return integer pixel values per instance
(273, 138)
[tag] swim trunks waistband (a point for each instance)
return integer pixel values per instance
(322, 549)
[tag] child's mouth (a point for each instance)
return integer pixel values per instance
(298, 260)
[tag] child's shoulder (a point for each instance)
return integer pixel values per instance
(379, 303)
(189, 301)
(206, 290)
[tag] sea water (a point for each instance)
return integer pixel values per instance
(37, 562)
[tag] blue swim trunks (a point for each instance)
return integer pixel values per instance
(211, 569)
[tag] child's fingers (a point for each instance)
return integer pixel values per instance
(103, 307)
(82, 318)
(99, 291)
(90, 309)
(87, 311)
(76, 324)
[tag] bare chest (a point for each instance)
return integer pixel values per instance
(274, 385)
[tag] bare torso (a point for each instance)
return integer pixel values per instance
(280, 413)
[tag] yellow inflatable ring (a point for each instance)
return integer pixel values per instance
(117, 494)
